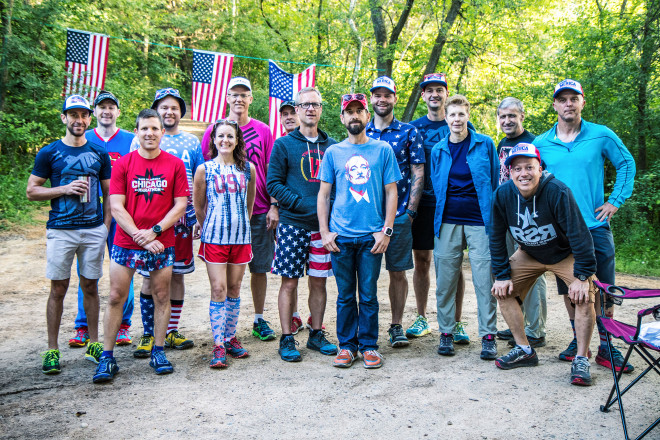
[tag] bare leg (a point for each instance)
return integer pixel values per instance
(460, 292)
(90, 290)
(318, 296)
(398, 293)
(120, 281)
(54, 308)
(218, 279)
(422, 279)
(569, 307)
(585, 318)
(285, 301)
(235, 274)
(513, 316)
(177, 287)
(258, 284)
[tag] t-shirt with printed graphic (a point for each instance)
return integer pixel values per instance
(408, 149)
(504, 149)
(227, 221)
(150, 186)
(431, 133)
(117, 146)
(63, 164)
(359, 174)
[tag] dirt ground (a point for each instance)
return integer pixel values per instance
(417, 394)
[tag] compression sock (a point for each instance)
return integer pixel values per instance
(233, 310)
(176, 305)
(603, 335)
(218, 314)
(573, 327)
(147, 312)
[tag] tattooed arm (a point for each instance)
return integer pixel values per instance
(416, 185)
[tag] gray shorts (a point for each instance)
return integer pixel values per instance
(263, 245)
(87, 244)
(398, 256)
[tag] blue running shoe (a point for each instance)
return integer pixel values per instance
(419, 328)
(159, 363)
(261, 330)
(288, 351)
(460, 337)
(320, 343)
(105, 370)
(235, 349)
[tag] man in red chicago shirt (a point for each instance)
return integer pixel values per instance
(148, 194)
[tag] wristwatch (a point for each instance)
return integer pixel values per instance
(387, 231)
(412, 214)
(157, 230)
(275, 204)
(582, 277)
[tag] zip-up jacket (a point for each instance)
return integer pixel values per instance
(548, 226)
(292, 179)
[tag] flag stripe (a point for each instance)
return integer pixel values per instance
(284, 85)
(85, 78)
(211, 75)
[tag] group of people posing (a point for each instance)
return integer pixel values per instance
(306, 204)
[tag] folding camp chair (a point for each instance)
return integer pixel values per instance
(630, 335)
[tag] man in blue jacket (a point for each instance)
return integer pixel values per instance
(575, 150)
(293, 179)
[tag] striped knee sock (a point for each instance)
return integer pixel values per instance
(217, 312)
(147, 312)
(176, 306)
(602, 334)
(233, 310)
(573, 327)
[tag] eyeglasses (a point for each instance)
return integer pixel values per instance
(239, 95)
(307, 105)
(354, 96)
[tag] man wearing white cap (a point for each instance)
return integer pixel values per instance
(574, 150)
(77, 223)
(409, 153)
(541, 214)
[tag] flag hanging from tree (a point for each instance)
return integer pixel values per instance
(85, 64)
(211, 75)
(283, 87)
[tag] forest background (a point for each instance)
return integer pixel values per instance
(489, 50)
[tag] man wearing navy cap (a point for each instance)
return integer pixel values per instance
(288, 116)
(575, 150)
(409, 153)
(77, 223)
(544, 220)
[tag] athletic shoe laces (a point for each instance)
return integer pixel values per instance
(50, 356)
(159, 357)
(581, 366)
(218, 351)
(235, 344)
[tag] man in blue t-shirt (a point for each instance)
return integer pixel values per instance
(364, 173)
(432, 129)
(77, 223)
(409, 153)
(117, 143)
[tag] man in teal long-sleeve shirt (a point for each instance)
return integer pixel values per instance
(575, 150)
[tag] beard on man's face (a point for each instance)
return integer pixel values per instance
(354, 128)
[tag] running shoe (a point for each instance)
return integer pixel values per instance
(533, 342)
(144, 347)
(94, 351)
(261, 330)
(580, 374)
(219, 359)
(176, 340)
(80, 339)
(419, 328)
(123, 336)
(309, 323)
(344, 359)
(460, 337)
(288, 351)
(488, 348)
(603, 358)
(106, 370)
(296, 325)
(51, 363)
(517, 358)
(446, 347)
(397, 338)
(372, 359)
(571, 351)
(235, 349)
(504, 334)
(160, 364)
(320, 343)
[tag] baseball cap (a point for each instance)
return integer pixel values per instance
(76, 101)
(289, 103)
(439, 78)
(353, 97)
(523, 150)
(105, 95)
(568, 84)
(384, 81)
(239, 81)
(164, 93)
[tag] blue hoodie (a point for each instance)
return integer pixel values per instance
(581, 166)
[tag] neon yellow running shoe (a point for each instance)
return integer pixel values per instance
(51, 364)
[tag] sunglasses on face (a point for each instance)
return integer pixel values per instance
(165, 92)
(353, 96)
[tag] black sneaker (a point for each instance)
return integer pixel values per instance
(488, 348)
(505, 335)
(397, 338)
(317, 341)
(580, 374)
(533, 342)
(446, 347)
(517, 358)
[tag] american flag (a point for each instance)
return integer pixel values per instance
(86, 62)
(283, 87)
(211, 75)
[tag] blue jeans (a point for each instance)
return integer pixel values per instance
(81, 318)
(356, 268)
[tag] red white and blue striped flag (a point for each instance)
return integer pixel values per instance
(283, 87)
(211, 75)
(85, 64)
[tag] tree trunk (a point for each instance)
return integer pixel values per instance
(6, 12)
(358, 43)
(319, 33)
(440, 41)
(385, 45)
